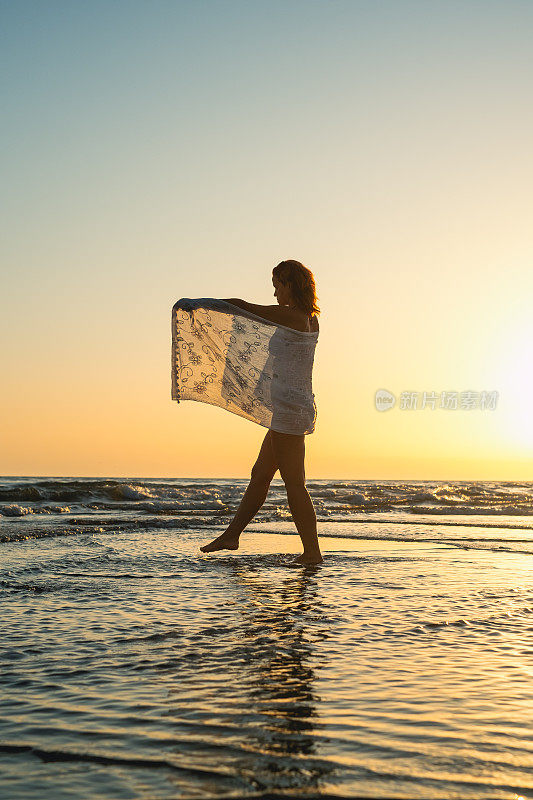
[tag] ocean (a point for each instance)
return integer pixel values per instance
(132, 665)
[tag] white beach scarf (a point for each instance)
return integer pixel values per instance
(229, 357)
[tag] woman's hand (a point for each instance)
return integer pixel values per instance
(184, 304)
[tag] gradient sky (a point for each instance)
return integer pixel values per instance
(158, 150)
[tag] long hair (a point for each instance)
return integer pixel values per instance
(301, 283)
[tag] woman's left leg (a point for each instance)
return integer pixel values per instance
(289, 452)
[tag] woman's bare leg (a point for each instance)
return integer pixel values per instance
(289, 452)
(255, 495)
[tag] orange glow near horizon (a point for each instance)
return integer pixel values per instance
(408, 197)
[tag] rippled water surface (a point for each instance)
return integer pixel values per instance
(134, 666)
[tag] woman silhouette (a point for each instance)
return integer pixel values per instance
(294, 290)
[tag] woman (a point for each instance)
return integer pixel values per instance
(294, 290)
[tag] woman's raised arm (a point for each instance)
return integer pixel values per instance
(278, 314)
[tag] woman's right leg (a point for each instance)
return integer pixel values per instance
(263, 471)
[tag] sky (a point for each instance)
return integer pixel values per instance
(158, 150)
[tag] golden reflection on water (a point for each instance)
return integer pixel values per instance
(276, 677)
(393, 669)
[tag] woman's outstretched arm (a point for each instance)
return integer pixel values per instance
(279, 314)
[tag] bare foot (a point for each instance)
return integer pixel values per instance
(304, 560)
(226, 541)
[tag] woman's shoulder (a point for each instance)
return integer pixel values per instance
(301, 321)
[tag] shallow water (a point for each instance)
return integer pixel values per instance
(135, 666)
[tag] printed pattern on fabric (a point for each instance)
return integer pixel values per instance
(229, 357)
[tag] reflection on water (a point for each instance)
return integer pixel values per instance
(268, 666)
(137, 667)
